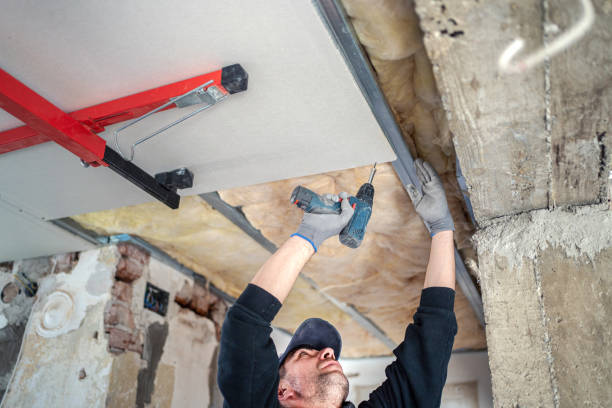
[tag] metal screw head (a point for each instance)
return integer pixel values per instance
(84, 163)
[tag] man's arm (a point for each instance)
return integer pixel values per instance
(280, 271)
(248, 362)
(441, 266)
(418, 375)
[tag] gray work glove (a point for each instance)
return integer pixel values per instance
(431, 205)
(316, 228)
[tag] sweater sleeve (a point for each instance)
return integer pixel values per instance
(248, 362)
(418, 374)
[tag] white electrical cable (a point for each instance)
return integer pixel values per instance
(573, 34)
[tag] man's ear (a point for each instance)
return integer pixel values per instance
(285, 392)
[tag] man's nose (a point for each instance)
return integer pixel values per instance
(327, 353)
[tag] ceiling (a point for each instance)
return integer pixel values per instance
(302, 114)
(303, 121)
(80, 54)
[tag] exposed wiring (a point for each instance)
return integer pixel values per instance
(573, 34)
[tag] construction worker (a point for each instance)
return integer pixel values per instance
(308, 374)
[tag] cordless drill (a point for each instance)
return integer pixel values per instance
(353, 233)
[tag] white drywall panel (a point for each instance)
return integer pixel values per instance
(25, 236)
(302, 114)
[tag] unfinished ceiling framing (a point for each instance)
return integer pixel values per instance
(382, 280)
(335, 85)
(371, 293)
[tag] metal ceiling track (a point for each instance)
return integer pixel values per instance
(77, 131)
(334, 16)
(74, 228)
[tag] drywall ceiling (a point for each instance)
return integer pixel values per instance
(25, 236)
(302, 114)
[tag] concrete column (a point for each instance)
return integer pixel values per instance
(529, 143)
(546, 286)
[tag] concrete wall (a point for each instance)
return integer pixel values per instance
(530, 141)
(90, 342)
(534, 149)
(546, 287)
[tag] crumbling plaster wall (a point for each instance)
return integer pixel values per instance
(534, 150)
(188, 358)
(62, 363)
(16, 304)
(90, 342)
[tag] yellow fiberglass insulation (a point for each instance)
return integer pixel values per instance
(383, 278)
(389, 31)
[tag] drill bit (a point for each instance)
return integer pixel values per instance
(372, 173)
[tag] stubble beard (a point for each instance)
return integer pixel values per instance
(332, 388)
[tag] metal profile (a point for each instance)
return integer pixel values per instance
(334, 16)
(73, 227)
(237, 217)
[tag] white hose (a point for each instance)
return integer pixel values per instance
(573, 34)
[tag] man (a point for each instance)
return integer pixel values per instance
(307, 373)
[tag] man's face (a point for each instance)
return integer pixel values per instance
(312, 378)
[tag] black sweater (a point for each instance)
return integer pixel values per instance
(248, 362)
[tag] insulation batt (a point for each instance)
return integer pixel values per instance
(389, 30)
(383, 278)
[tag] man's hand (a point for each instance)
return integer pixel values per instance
(431, 205)
(316, 228)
